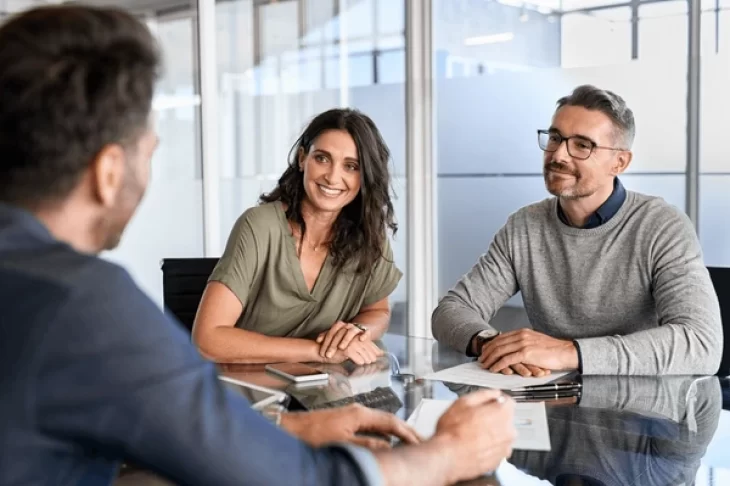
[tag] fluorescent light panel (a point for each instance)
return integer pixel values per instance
(481, 40)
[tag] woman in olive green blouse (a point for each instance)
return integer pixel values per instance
(306, 275)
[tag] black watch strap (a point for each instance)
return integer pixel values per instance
(469, 346)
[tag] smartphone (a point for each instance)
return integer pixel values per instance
(297, 372)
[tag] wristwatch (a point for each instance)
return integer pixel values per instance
(273, 413)
(483, 337)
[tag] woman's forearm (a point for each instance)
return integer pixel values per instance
(234, 345)
(376, 320)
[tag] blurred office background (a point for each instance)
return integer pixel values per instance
(243, 77)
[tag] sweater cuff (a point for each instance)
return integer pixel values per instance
(463, 336)
(595, 357)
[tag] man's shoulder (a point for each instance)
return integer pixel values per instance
(58, 265)
(535, 213)
(654, 212)
(50, 291)
(648, 202)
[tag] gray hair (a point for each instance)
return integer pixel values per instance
(608, 103)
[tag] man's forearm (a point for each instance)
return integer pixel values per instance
(672, 349)
(455, 324)
(425, 464)
(477, 296)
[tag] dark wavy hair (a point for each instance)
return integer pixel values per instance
(360, 229)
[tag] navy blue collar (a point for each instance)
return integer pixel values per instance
(607, 210)
(15, 220)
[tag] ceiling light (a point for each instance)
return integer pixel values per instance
(481, 40)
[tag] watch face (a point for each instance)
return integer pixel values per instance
(488, 334)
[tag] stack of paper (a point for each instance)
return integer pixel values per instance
(530, 422)
(472, 374)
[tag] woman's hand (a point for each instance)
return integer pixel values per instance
(339, 337)
(359, 352)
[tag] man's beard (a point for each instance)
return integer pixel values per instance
(113, 225)
(572, 192)
(113, 238)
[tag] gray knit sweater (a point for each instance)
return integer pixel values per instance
(633, 292)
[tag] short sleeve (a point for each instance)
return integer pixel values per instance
(237, 266)
(384, 278)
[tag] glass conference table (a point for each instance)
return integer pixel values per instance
(624, 431)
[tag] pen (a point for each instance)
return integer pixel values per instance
(547, 396)
(548, 387)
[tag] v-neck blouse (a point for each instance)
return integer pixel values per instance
(261, 267)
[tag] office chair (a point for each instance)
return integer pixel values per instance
(721, 281)
(183, 282)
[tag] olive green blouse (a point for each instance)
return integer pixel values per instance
(261, 267)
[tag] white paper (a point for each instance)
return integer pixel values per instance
(532, 427)
(530, 422)
(471, 374)
(426, 415)
(509, 474)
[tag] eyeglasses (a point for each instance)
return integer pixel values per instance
(578, 147)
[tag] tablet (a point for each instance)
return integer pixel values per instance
(258, 396)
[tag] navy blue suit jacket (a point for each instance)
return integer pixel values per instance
(93, 373)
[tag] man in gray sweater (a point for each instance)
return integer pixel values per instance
(612, 280)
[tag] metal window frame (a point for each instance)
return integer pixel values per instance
(420, 167)
(692, 176)
(208, 76)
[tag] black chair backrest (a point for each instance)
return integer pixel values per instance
(183, 282)
(721, 280)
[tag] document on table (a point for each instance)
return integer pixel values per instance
(471, 374)
(530, 422)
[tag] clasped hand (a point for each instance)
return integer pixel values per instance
(345, 341)
(528, 353)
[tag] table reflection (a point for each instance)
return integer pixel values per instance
(622, 431)
(625, 431)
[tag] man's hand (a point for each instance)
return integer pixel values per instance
(525, 370)
(477, 431)
(526, 351)
(339, 337)
(343, 424)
